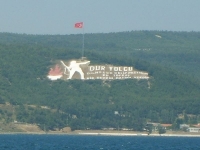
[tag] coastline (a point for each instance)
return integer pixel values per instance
(141, 134)
(106, 133)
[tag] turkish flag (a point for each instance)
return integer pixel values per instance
(78, 25)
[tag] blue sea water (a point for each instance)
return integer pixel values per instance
(78, 142)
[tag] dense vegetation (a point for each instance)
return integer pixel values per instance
(172, 62)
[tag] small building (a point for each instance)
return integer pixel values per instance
(152, 126)
(184, 126)
(74, 117)
(194, 130)
(166, 126)
(116, 112)
(197, 126)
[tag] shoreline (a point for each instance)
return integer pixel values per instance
(104, 133)
(142, 134)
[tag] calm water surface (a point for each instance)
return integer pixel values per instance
(76, 142)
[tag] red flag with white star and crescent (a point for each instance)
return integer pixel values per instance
(78, 25)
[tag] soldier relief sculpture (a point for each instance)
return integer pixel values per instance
(74, 67)
(81, 69)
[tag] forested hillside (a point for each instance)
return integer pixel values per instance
(171, 58)
(177, 50)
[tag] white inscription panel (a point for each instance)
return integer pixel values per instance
(79, 69)
(108, 72)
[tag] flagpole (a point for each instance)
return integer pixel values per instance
(81, 25)
(83, 44)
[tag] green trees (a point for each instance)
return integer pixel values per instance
(26, 59)
(161, 130)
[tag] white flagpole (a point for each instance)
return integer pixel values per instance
(83, 44)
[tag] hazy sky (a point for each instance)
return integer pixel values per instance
(99, 16)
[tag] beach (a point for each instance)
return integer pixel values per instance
(110, 133)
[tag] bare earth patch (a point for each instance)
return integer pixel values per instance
(28, 127)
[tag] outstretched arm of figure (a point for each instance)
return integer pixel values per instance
(65, 65)
(82, 63)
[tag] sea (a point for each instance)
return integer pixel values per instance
(89, 142)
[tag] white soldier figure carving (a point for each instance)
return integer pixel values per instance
(74, 67)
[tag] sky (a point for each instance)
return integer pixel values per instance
(99, 16)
